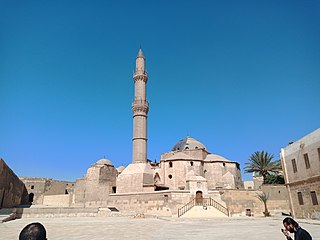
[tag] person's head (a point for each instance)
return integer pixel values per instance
(33, 231)
(290, 224)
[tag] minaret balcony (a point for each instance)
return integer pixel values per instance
(140, 73)
(140, 106)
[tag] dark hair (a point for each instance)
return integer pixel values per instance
(289, 220)
(33, 231)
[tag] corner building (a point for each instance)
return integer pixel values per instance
(301, 164)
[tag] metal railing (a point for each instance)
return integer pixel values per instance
(202, 202)
(186, 207)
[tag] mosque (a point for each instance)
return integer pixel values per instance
(187, 176)
(188, 172)
(188, 163)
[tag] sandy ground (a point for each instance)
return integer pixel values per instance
(157, 228)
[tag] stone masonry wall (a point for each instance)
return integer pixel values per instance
(12, 190)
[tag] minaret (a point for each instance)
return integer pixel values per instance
(138, 176)
(140, 108)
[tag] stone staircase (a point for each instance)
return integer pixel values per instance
(204, 212)
(203, 207)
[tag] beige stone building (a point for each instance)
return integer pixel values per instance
(190, 159)
(188, 173)
(301, 164)
(40, 189)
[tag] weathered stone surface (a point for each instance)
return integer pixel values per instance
(12, 190)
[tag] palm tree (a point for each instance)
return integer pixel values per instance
(264, 197)
(262, 163)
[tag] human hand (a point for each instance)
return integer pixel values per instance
(285, 232)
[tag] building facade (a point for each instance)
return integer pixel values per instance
(301, 164)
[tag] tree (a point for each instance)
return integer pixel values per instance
(274, 179)
(261, 162)
(264, 197)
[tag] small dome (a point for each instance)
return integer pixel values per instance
(104, 161)
(120, 169)
(188, 143)
(214, 157)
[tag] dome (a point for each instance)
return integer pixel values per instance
(120, 169)
(188, 143)
(179, 156)
(104, 161)
(214, 157)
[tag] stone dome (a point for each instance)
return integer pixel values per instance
(104, 161)
(188, 143)
(214, 157)
(120, 169)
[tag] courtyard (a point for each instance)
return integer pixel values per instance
(96, 228)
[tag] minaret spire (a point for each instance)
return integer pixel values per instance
(140, 108)
(140, 53)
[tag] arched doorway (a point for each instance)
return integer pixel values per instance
(31, 195)
(199, 198)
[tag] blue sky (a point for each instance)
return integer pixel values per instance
(239, 76)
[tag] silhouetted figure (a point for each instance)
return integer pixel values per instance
(293, 227)
(33, 231)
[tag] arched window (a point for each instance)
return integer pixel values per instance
(156, 178)
(191, 163)
(170, 164)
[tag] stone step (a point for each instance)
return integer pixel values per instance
(202, 212)
(7, 214)
(56, 212)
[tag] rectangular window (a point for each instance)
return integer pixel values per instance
(314, 198)
(294, 165)
(319, 153)
(306, 160)
(300, 198)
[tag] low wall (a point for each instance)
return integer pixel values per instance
(47, 212)
(57, 200)
(239, 201)
(160, 203)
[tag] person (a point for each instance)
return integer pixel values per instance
(33, 231)
(292, 226)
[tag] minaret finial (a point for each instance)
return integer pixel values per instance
(140, 53)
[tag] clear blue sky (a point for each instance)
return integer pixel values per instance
(239, 76)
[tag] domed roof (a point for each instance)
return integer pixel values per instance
(120, 169)
(214, 157)
(179, 156)
(188, 143)
(104, 161)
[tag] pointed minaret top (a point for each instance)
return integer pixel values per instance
(140, 53)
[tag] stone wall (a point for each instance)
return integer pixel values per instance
(301, 164)
(58, 200)
(161, 203)
(39, 187)
(12, 190)
(307, 209)
(239, 202)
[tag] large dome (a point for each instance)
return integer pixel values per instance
(188, 143)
